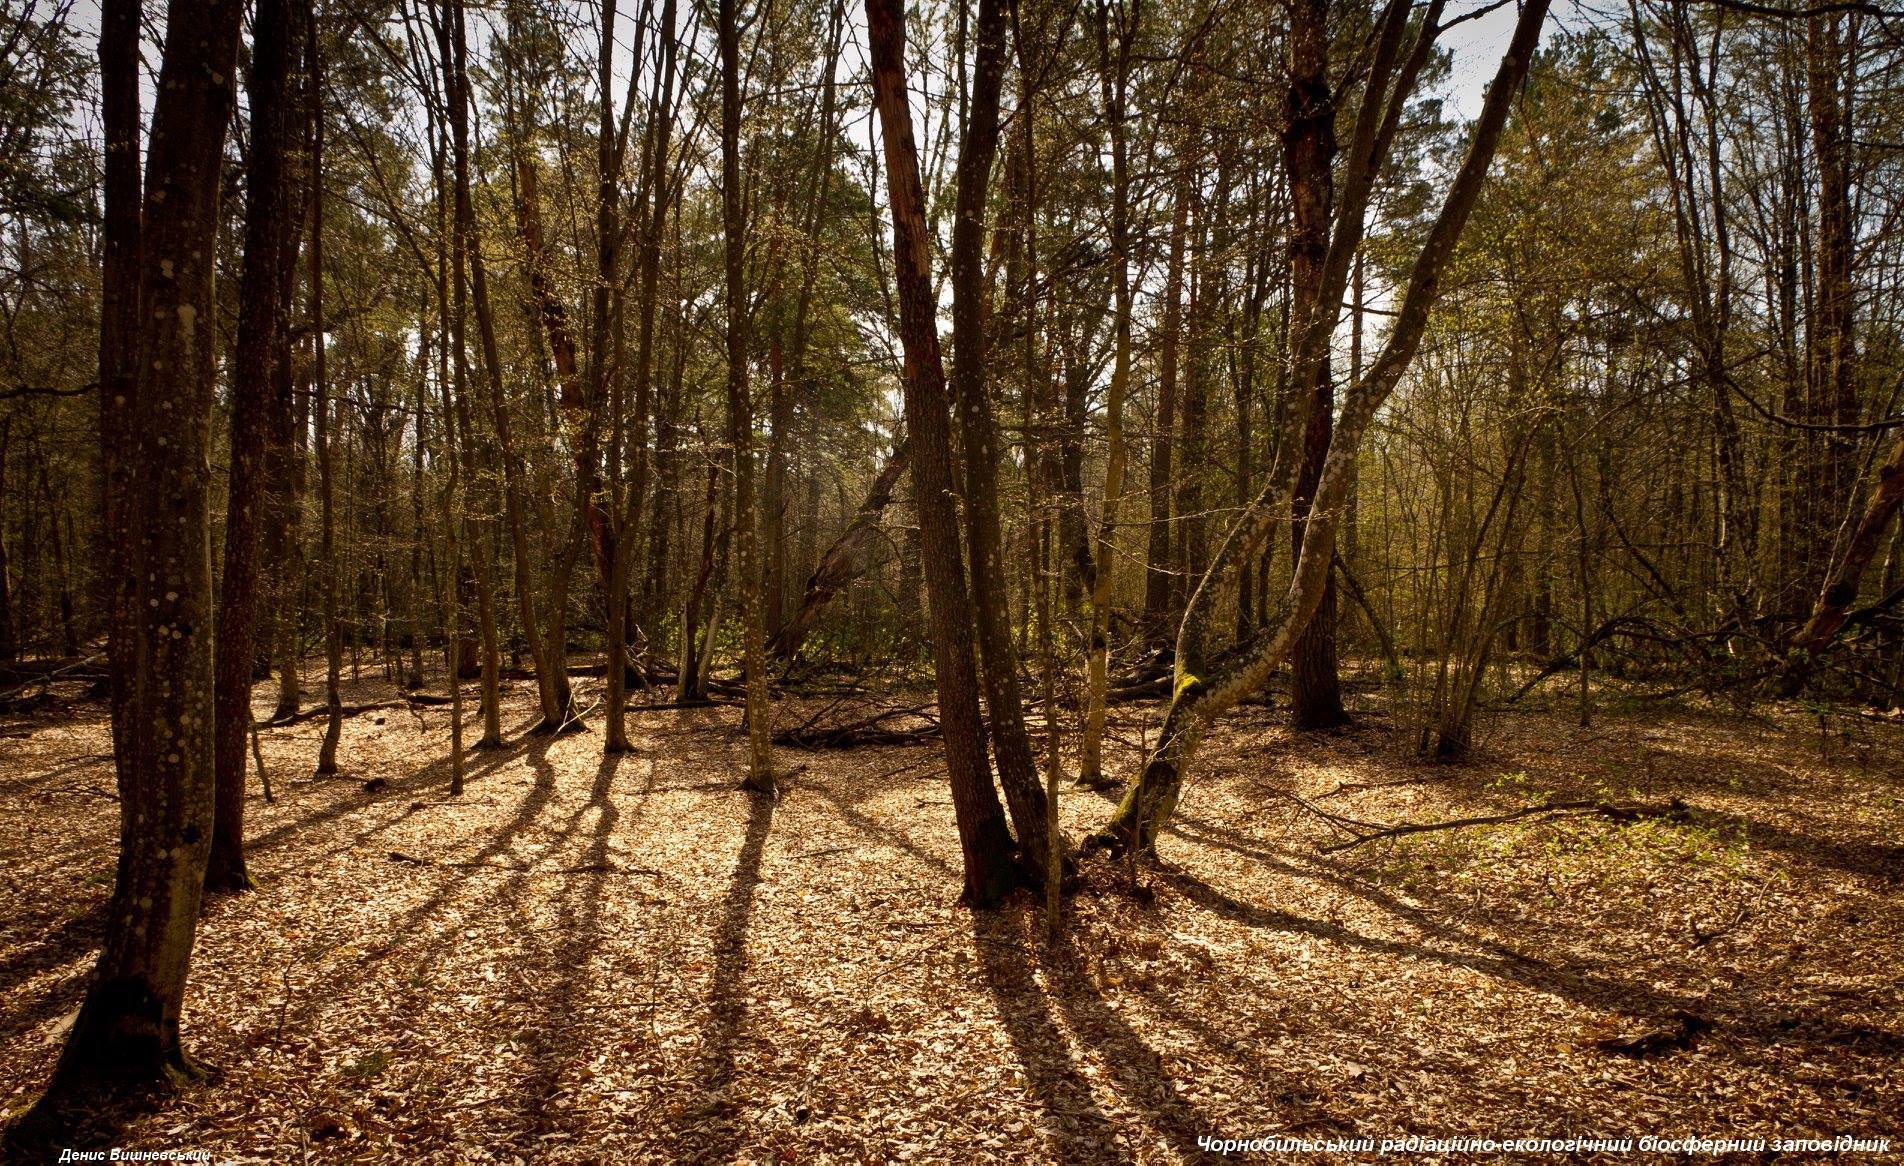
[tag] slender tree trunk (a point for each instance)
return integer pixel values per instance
(628, 508)
(328, 427)
(1113, 75)
(1162, 589)
(1017, 768)
(984, 839)
(254, 379)
(740, 416)
(1831, 331)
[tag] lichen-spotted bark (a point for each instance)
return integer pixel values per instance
(127, 1030)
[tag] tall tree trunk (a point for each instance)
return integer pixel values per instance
(1017, 768)
(119, 325)
(740, 416)
(328, 427)
(1113, 74)
(157, 432)
(1162, 590)
(985, 842)
(261, 327)
(1309, 149)
(1833, 343)
(628, 508)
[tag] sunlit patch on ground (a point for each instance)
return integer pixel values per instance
(633, 960)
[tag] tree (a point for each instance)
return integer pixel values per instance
(263, 345)
(983, 836)
(1200, 693)
(740, 419)
(1113, 77)
(1017, 769)
(156, 432)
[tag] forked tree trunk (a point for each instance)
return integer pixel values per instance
(984, 840)
(1017, 768)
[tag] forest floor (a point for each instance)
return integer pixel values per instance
(633, 960)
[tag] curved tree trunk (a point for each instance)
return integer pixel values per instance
(1200, 694)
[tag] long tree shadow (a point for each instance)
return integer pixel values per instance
(1042, 1048)
(400, 932)
(65, 941)
(1588, 983)
(402, 786)
(579, 940)
(1137, 1070)
(727, 988)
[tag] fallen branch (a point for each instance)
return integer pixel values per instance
(1362, 833)
(355, 710)
(518, 868)
(868, 731)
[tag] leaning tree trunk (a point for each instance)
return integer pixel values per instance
(850, 556)
(983, 837)
(1201, 694)
(1833, 608)
(157, 433)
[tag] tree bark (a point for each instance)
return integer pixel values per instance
(261, 344)
(984, 839)
(127, 1028)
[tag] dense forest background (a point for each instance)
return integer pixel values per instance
(957, 375)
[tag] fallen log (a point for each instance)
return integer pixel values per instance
(1361, 833)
